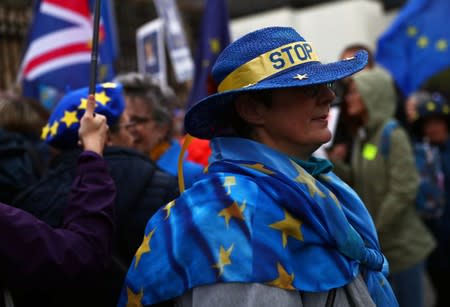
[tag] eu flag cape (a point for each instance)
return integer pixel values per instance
(259, 216)
(415, 46)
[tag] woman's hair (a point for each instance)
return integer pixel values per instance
(353, 48)
(18, 114)
(238, 126)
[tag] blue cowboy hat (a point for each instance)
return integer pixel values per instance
(62, 127)
(270, 58)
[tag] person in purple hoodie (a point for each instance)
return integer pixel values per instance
(34, 255)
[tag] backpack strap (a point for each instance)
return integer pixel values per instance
(386, 137)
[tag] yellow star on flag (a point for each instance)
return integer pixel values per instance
(422, 42)
(325, 177)
(446, 109)
(45, 132)
(134, 299)
(205, 63)
(442, 45)
(229, 181)
(103, 72)
(214, 44)
(109, 85)
(69, 118)
(412, 31)
(284, 280)
(308, 180)
(289, 226)
(431, 106)
(168, 207)
(259, 167)
(144, 248)
(83, 104)
(102, 98)
(233, 211)
(224, 259)
(54, 128)
(334, 198)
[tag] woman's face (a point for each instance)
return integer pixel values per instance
(354, 102)
(296, 122)
(436, 130)
(410, 109)
(145, 131)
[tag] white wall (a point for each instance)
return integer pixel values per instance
(278, 17)
(330, 26)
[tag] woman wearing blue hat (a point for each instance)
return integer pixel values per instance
(269, 225)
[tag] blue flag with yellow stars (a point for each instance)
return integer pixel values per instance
(214, 36)
(259, 216)
(415, 47)
(61, 130)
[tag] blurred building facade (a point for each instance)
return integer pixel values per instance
(15, 17)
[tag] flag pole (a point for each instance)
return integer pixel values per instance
(94, 51)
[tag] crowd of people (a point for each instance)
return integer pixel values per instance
(96, 210)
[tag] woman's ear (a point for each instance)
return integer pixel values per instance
(250, 110)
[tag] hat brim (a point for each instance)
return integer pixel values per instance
(205, 119)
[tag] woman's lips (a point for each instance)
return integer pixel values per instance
(322, 117)
(321, 120)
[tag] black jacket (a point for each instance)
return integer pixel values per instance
(141, 190)
(19, 165)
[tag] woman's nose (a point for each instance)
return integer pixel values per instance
(327, 95)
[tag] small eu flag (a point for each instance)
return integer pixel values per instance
(415, 47)
(214, 36)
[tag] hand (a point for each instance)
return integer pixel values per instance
(93, 128)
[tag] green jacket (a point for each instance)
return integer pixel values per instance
(387, 184)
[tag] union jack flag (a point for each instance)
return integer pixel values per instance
(58, 53)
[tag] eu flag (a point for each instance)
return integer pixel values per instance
(214, 36)
(257, 216)
(415, 47)
(58, 51)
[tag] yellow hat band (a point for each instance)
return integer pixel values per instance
(268, 64)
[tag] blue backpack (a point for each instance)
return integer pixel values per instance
(430, 198)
